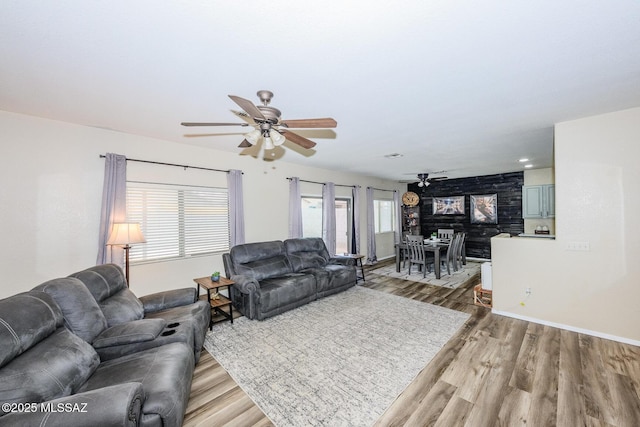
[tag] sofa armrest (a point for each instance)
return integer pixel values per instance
(245, 295)
(342, 261)
(245, 284)
(117, 405)
(130, 333)
(169, 299)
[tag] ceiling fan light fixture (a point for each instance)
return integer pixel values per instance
(277, 138)
(420, 184)
(253, 137)
(268, 143)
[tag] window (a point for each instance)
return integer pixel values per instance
(384, 216)
(178, 221)
(312, 221)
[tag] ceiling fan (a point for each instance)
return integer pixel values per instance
(424, 180)
(268, 126)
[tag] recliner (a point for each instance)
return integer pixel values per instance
(119, 305)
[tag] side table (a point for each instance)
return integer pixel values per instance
(218, 300)
(358, 258)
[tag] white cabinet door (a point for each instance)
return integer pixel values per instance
(538, 201)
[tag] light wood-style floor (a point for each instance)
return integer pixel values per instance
(496, 371)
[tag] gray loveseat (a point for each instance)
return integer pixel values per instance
(273, 277)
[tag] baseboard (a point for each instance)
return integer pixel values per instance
(569, 328)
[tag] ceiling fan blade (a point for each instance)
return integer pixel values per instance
(439, 178)
(310, 123)
(244, 116)
(248, 106)
(212, 124)
(297, 139)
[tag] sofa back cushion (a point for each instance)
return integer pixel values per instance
(261, 260)
(306, 253)
(39, 358)
(58, 366)
(108, 286)
(81, 312)
(25, 320)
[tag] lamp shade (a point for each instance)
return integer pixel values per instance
(277, 137)
(125, 233)
(253, 137)
(268, 144)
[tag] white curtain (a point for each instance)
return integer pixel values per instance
(398, 225)
(114, 207)
(372, 258)
(295, 208)
(329, 216)
(236, 208)
(355, 220)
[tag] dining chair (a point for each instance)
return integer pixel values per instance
(460, 257)
(415, 246)
(445, 233)
(449, 260)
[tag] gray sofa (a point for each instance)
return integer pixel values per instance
(49, 376)
(273, 277)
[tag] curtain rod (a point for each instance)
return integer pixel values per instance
(322, 183)
(382, 189)
(102, 156)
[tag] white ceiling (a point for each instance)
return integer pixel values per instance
(462, 86)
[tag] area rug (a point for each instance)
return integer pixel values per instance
(338, 361)
(452, 281)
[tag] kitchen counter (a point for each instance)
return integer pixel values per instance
(538, 236)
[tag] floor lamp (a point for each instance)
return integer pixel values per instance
(124, 234)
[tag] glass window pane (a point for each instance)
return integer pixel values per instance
(178, 221)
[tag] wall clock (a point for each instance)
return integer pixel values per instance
(410, 198)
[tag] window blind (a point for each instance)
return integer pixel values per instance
(178, 221)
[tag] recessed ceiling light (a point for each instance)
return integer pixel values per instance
(393, 155)
(528, 166)
(523, 160)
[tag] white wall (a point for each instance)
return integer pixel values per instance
(51, 193)
(597, 203)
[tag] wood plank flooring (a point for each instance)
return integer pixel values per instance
(496, 371)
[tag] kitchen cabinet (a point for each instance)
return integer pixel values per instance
(538, 201)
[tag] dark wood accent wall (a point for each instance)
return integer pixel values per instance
(508, 187)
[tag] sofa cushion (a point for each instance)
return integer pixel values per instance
(288, 289)
(25, 320)
(55, 367)
(261, 260)
(306, 253)
(82, 314)
(165, 373)
(108, 286)
(122, 307)
(339, 276)
(103, 280)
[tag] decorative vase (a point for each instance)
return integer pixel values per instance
(215, 278)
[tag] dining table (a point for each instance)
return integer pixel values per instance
(429, 246)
